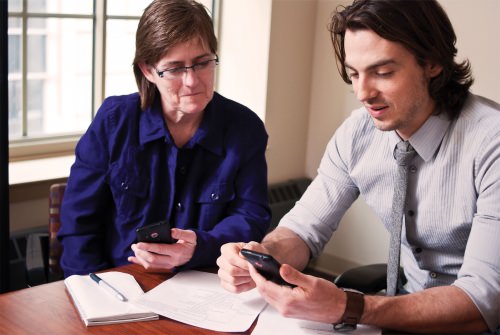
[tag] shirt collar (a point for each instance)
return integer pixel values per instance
(209, 135)
(151, 123)
(427, 139)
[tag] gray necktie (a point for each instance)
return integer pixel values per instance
(403, 154)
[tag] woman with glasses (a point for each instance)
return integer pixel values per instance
(175, 151)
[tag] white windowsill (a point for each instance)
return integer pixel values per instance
(42, 169)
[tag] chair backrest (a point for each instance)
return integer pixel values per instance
(56, 194)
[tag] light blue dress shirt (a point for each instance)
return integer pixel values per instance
(452, 221)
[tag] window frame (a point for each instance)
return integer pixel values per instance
(48, 146)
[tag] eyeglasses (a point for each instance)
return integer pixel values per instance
(200, 67)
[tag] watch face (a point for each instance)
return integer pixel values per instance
(344, 327)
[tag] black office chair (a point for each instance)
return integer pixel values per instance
(369, 279)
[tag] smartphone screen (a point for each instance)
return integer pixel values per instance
(266, 265)
(158, 232)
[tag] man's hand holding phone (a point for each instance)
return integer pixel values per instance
(266, 265)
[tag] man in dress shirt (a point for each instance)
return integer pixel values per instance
(399, 57)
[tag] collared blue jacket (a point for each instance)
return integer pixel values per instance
(124, 177)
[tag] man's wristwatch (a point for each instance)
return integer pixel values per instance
(353, 311)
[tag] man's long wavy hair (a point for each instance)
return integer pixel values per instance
(420, 26)
(164, 24)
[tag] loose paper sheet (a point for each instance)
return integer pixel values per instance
(198, 299)
(271, 322)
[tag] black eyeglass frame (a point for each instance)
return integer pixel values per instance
(184, 69)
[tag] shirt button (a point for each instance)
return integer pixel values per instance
(433, 275)
(413, 169)
(178, 206)
(214, 196)
(182, 170)
(124, 185)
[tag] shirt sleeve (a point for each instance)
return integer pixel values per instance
(479, 275)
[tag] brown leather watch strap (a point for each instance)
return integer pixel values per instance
(353, 310)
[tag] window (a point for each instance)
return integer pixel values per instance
(65, 56)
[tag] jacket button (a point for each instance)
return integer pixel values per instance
(178, 206)
(433, 275)
(124, 185)
(214, 196)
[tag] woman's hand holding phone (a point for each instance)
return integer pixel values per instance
(158, 232)
(177, 250)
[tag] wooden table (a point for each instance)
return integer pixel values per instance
(48, 309)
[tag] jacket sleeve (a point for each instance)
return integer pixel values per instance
(84, 207)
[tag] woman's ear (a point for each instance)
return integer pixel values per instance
(147, 71)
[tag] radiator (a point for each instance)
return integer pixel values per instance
(17, 257)
(282, 197)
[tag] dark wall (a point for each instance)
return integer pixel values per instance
(4, 152)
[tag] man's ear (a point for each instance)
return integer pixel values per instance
(147, 71)
(433, 69)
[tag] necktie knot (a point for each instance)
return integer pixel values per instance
(403, 153)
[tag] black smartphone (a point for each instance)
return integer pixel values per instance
(158, 232)
(266, 265)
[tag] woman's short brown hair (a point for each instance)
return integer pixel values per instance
(420, 26)
(164, 24)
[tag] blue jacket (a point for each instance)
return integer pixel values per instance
(127, 174)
